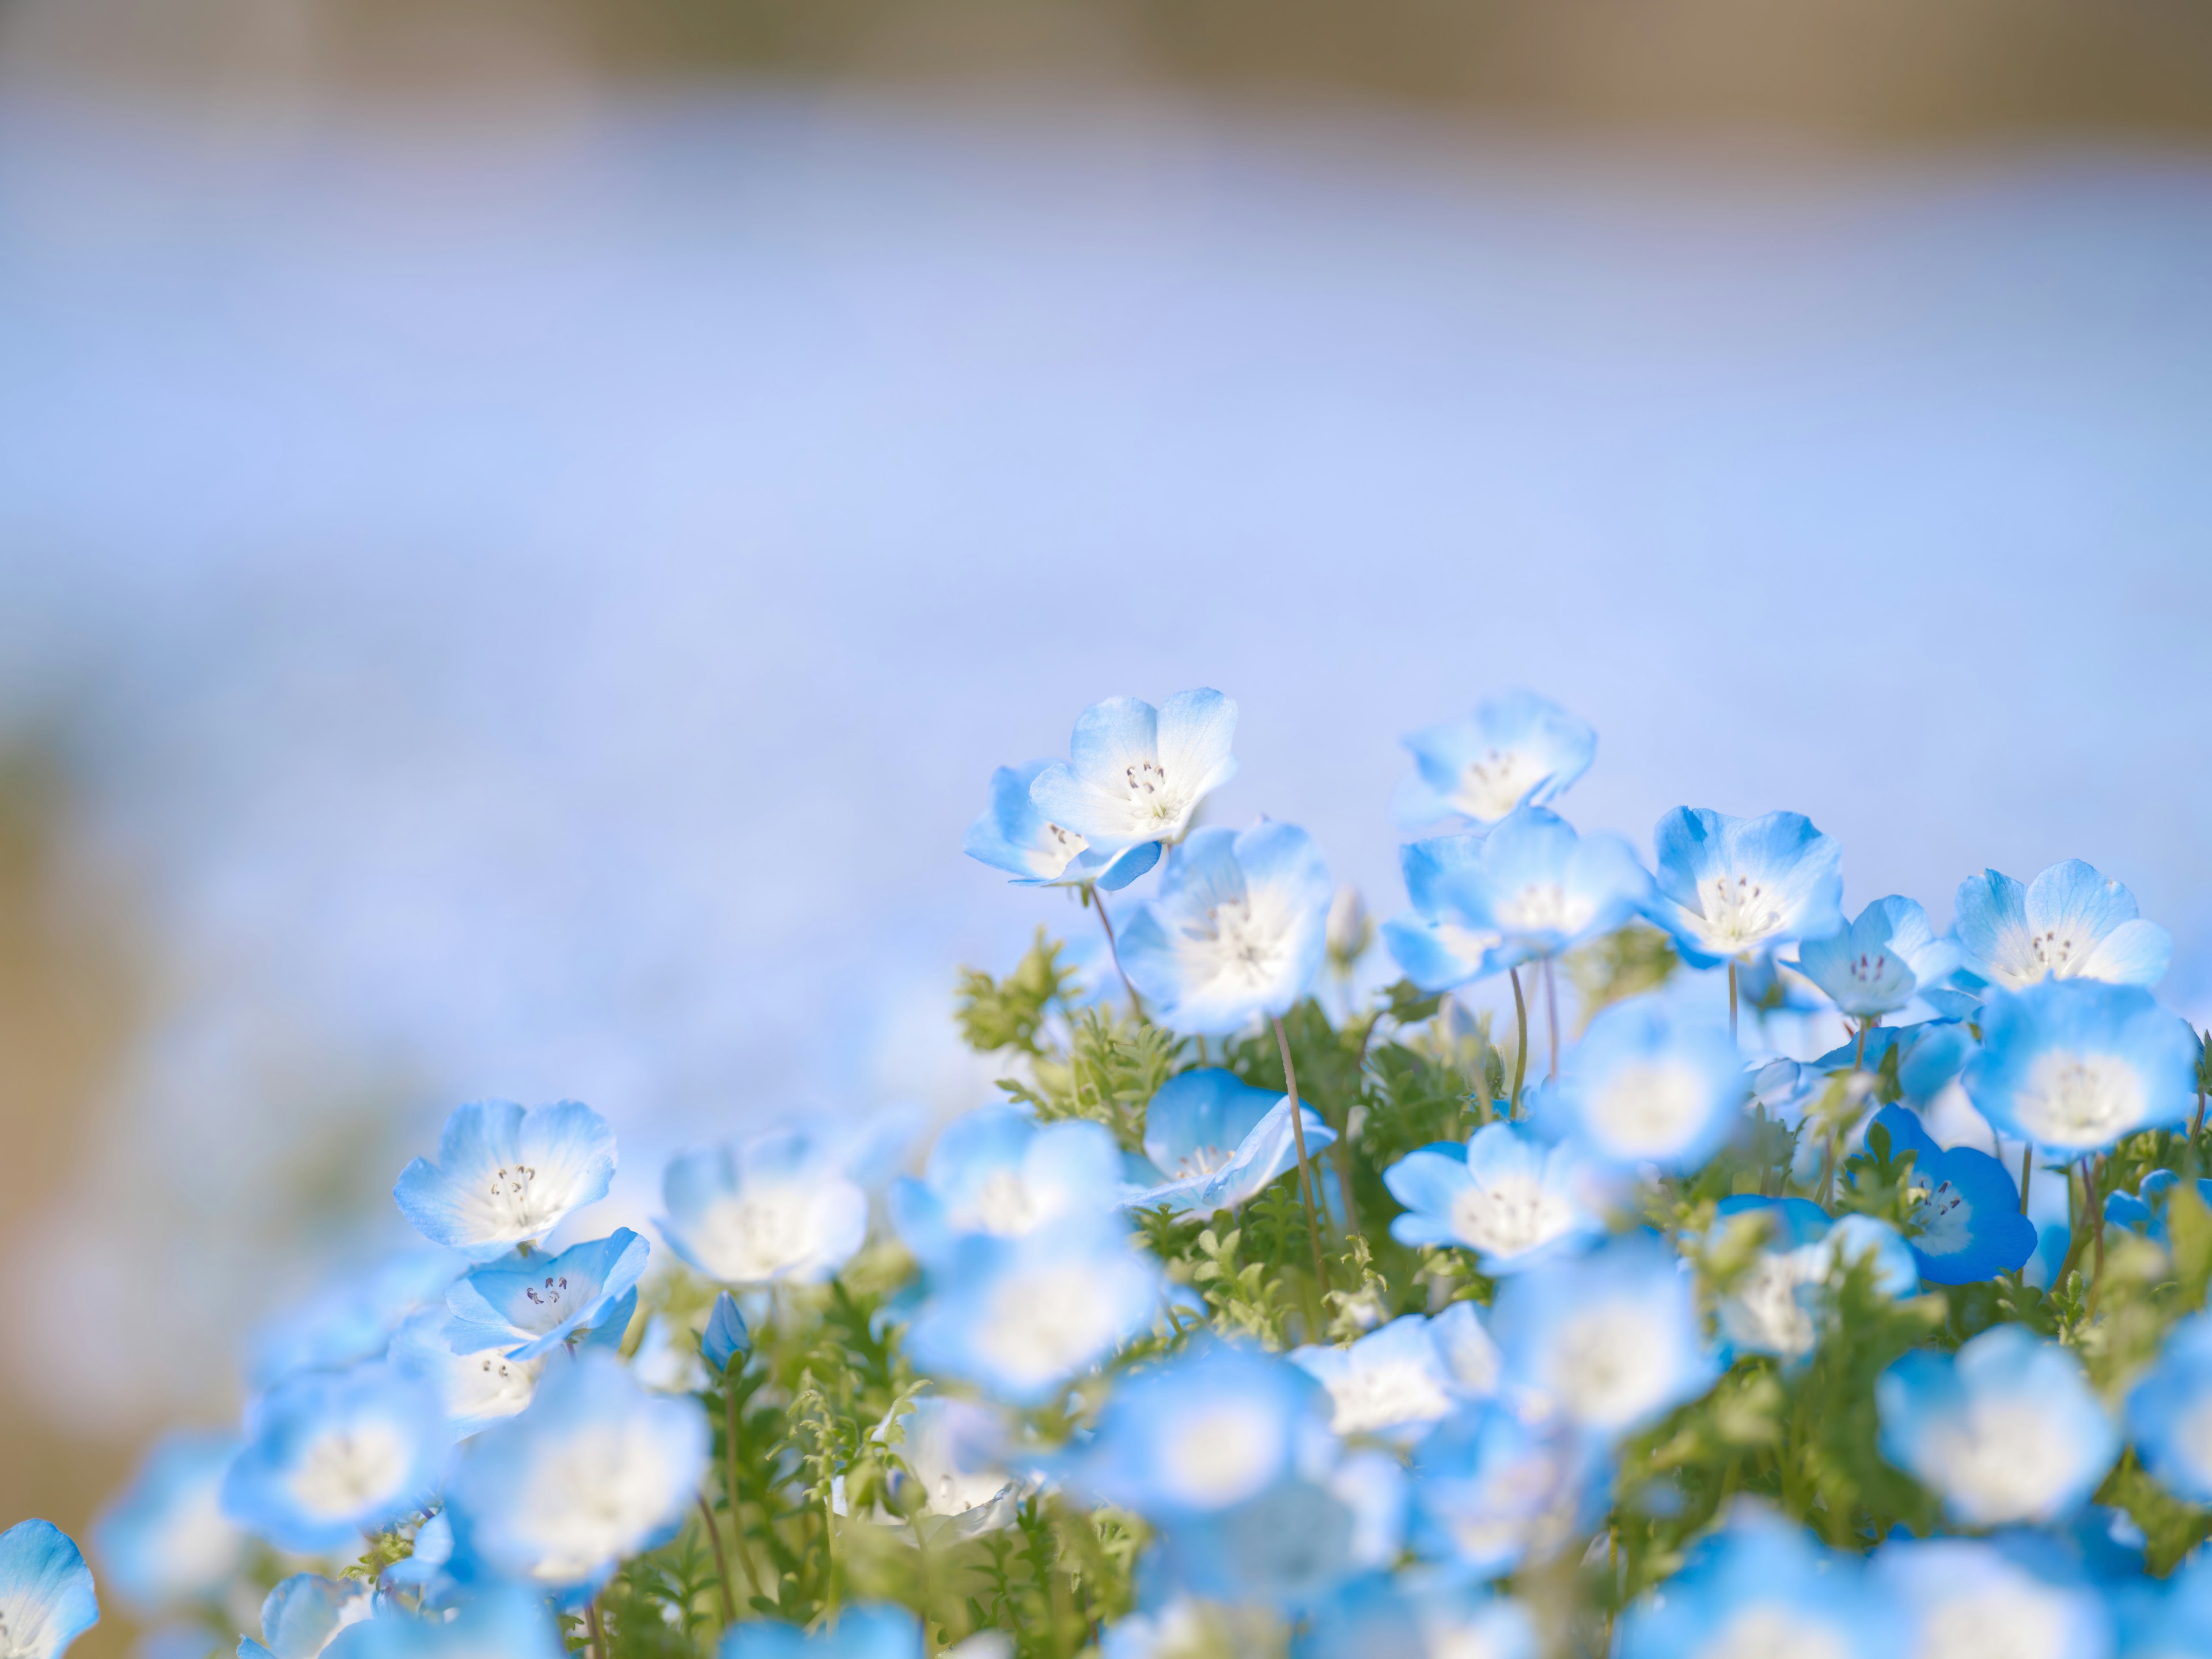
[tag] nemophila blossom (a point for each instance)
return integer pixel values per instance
(1494, 1489)
(1966, 1596)
(1214, 1142)
(1389, 1617)
(1965, 1206)
(499, 1623)
(304, 1614)
(1775, 1304)
(1520, 749)
(505, 1176)
(46, 1599)
(1508, 1196)
(2173, 1621)
(352, 1315)
(2169, 1412)
(1541, 889)
(1731, 888)
(781, 1206)
(594, 1472)
(1239, 930)
(1645, 1087)
(726, 1341)
(1294, 1544)
(478, 1385)
(1012, 835)
(859, 1633)
(2007, 1430)
(2068, 923)
(1435, 948)
(997, 1170)
(1136, 774)
(2144, 1210)
(1019, 1316)
(165, 1539)
(951, 1449)
(1930, 1054)
(529, 1305)
(1181, 1627)
(1877, 964)
(1202, 1431)
(1762, 1589)
(1394, 1382)
(1609, 1340)
(2074, 1065)
(330, 1455)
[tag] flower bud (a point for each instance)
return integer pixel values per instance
(726, 1341)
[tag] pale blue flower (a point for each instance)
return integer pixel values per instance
(501, 1624)
(1966, 1204)
(46, 1599)
(353, 1315)
(1877, 964)
(165, 1541)
(482, 1383)
(2072, 1064)
(1520, 749)
(526, 1306)
(725, 1340)
(1202, 1431)
(1610, 1340)
(1510, 1196)
(1213, 1143)
(1436, 948)
(1762, 1587)
(2169, 1413)
(997, 1170)
(1295, 1543)
(1645, 1087)
(1930, 1054)
(1012, 835)
(596, 1471)
(1966, 1595)
(1493, 1488)
(1395, 1382)
(2170, 1621)
(1400, 1617)
(304, 1614)
(781, 1206)
(1778, 1304)
(1539, 888)
(2144, 1210)
(2068, 923)
(1136, 774)
(1729, 889)
(1020, 1317)
(505, 1176)
(1239, 930)
(330, 1455)
(2007, 1430)
(857, 1632)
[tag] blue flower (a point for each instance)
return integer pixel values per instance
(1731, 888)
(302, 1616)
(352, 1317)
(1436, 949)
(505, 1622)
(779, 1207)
(1396, 1381)
(2174, 1622)
(46, 1599)
(1966, 1207)
(1020, 1317)
(1508, 1196)
(1929, 1055)
(1778, 1304)
(481, 1384)
(1292, 1545)
(859, 1632)
(726, 1339)
(2143, 1211)
(530, 1306)
(997, 1170)
(1877, 964)
(1012, 835)
(2068, 923)
(2006, 1430)
(1538, 888)
(1202, 1431)
(165, 1539)
(1964, 1595)
(596, 1471)
(2073, 1065)
(1397, 1618)
(1215, 1142)
(330, 1455)
(1492, 1489)
(505, 1176)
(1610, 1339)
(1520, 749)
(1137, 774)
(2169, 1412)
(1643, 1088)
(1239, 930)
(1762, 1587)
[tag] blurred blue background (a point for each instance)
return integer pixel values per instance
(525, 602)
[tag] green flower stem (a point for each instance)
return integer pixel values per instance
(1097, 901)
(1731, 999)
(733, 1418)
(1521, 1053)
(1309, 1185)
(722, 1561)
(2026, 1171)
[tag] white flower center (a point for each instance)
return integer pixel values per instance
(1740, 911)
(1371, 1397)
(1763, 1312)
(594, 1497)
(1201, 1161)
(2018, 1620)
(1047, 1321)
(1649, 1107)
(489, 1384)
(1004, 1205)
(2000, 1461)
(513, 1203)
(756, 1235)
(1609, 1363)
(1242, 946)
(2193, 1436)
(2072, 1099)
(1772, 1632)
(1946, 1220)
(347, 1470)
(1544, 907)
(1491, 785)
(1510, 1216)
(1220, 1454)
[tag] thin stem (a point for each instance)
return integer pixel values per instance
(1113, 949)
(1551, 1015)
(1858, 1061)
(2027, 1173)
(2096, 1226)
(592, 1624)
(722, 1561)
(1731, 1000)
(733, 1426)
(1520, 1054)
(1308, 1185)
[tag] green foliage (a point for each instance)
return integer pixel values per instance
(1627, 962)
(1010, 1012)
(1110, 1069)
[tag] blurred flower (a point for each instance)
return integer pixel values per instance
(855, 1632)
(1775, 1305)
(2172, 1622)
(330, 1455)
(1137, 774)
(2143, 1211)
(595, 1470)
(2169, 1412)
(1349, 930)
(1012, 835)
(1186, 1627)
(1020, 1317)
(1642, 1087)
(479, 1386)
(46, 1599)
(1929, 1055)
(1610, 1339)
(1730, 888)
(505, 1176)
(1237, 930)
(1381, 1618)
(352, 1315)
(2068, 923)
(997, 1170)
(530, 1306)
(665, 1362)
(1520, 749)
(1434, 947)
(1964, 1595)
(1541, 889)
(1510, 1198)
(304, 1614)
(1294, 1543)
(1216, 1142)
(2074, 1065)
(950, 1447)
(1394, 1382)
(1966, 1207)
(1874, 965)
(2006, 1430)
(726, 1339)
(165, 1539)
(1494, 1489)
(1761, 1587)
(780, 1206)
(1202, 1431)
(505, 1622)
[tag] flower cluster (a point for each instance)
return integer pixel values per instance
(1285, 1307)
